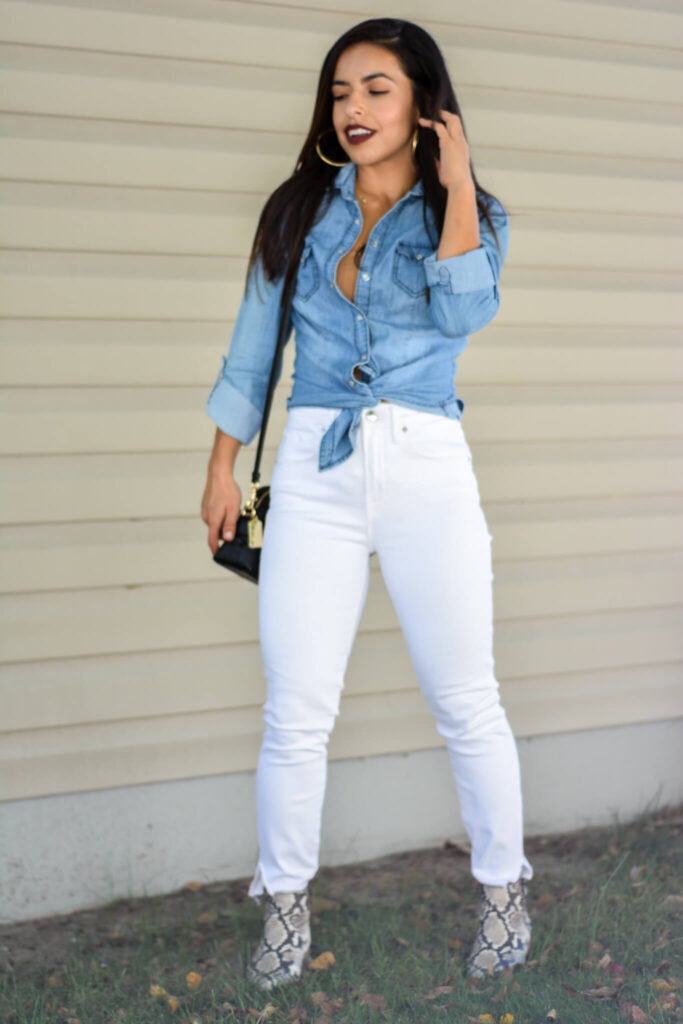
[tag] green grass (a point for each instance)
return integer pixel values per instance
(399, 928)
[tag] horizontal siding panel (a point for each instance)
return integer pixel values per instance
(63, 488)
(120, 155)
(296, 35)
(189, 288)
(84, 623)
(190, 746)
(557, 18)
(37, 353)
(43, 421)
(547, 662)
(68, 83)
(40, 216)
(109, 154)
(53, 218)
(162, 550)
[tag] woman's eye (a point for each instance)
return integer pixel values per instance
(373, 92)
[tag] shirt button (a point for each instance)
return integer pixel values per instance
(352, 381)
(356, 221)
(331, 284)
(359, 317)
(340, 250)
(375, 243)
(366, 277)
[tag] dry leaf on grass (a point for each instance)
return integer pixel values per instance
(319, 903)
(638, 1016)
(664, 1005)
(662, 985)
(592, 993)
(297, 1015)
(322, 962)
(261, 1015)
(672, 902)
(546, 899)
(193, 980)
(328, 1007)
(436, 992)
(208, 917)
(194, 886)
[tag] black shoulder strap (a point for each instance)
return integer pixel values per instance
(274, 371)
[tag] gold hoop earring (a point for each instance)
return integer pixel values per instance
(415, 138)
(333, 163)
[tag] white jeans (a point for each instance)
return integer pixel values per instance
(409, 493)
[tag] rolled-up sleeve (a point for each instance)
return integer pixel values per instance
(238, 396)
(464, 294)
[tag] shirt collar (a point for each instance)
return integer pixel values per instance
(345, 181)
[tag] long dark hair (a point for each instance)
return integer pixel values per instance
(290, 211)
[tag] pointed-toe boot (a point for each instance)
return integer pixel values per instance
(284, 948)
(504, 933)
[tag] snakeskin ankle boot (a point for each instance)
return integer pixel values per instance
(504, 933)
(284, 948)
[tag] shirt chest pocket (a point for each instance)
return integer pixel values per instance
(408, 270)
(308, 275)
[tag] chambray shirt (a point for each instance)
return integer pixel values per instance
(402, 347)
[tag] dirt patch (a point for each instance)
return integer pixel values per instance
(112, 932)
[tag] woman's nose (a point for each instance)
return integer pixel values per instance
(354, 107)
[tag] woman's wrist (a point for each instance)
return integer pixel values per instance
(224, 454)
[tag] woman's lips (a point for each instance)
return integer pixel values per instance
(357, 139)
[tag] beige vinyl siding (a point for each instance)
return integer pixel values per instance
(139, 143)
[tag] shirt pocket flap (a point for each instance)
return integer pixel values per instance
(308, 274)
(408, 268)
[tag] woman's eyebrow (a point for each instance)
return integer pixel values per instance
(365, 78)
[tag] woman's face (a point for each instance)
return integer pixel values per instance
(383, 104)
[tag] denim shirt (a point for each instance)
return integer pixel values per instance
(402, 347)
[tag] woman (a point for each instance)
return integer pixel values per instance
(398, 252)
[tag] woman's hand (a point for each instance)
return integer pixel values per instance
(453, 167)
(221, 503)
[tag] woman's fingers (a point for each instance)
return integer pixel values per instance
(220, 510)
(443, 124)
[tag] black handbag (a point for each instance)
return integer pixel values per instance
(242, 554)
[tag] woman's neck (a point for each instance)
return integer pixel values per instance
(381, 187)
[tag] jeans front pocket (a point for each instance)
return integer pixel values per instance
(430, 435)
(304, 431)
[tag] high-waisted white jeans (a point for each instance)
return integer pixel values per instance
(409, 493)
